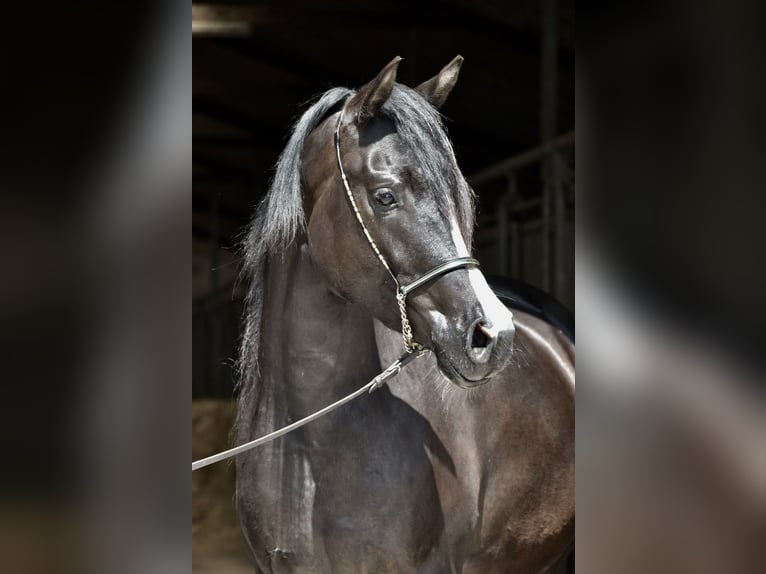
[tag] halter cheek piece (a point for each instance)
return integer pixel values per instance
(401, 290)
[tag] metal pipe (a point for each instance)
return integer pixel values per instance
(502, 236)
(548, 113)
(502, 226)
(489, 219)
(559, 223)
(516, 247)
(523, 159)
(545, 238)
(548, 70)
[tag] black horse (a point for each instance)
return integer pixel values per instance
(437, 472)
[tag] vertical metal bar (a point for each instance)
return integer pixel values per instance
(548, 70)
(502, 235)
(516, 271)
(515, 229)
(548, 111)
(559, 217)
(545, 237)
(508, 223)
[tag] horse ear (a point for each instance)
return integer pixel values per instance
(439, 87)
(368, 101)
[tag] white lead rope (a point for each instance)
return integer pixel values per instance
(375, 383)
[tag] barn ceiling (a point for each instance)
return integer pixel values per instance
(256, 64)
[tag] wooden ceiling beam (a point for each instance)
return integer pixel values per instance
(238, 20)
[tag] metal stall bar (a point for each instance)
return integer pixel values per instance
(523, 159)
(509, 232)
(559, 225)
(548, 117)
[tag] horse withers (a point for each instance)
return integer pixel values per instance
(438, 472)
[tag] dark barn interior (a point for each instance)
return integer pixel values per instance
(255, 67)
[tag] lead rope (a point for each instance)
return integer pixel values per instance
(375, 383)
(401, 296)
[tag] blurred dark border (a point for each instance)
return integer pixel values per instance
(96, 336)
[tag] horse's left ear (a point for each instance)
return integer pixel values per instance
(368, 101)
(439, 87)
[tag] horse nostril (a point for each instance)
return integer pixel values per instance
(481, 337)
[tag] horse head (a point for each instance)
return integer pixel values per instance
(418, 210)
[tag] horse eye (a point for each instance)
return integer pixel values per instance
(385, 198)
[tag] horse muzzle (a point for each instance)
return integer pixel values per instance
(470, 331)
(476, 354)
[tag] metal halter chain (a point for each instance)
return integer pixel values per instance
(401, 290)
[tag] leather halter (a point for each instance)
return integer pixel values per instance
(401, 290)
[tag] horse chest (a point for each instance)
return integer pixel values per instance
(354, 494)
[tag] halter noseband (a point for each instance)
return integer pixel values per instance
(401, 290)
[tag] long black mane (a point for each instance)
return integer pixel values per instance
(280, 216)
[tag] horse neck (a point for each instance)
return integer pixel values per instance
(315, 346)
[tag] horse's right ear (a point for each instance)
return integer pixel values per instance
(368, 101)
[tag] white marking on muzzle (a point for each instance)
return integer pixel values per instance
(494, 311)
